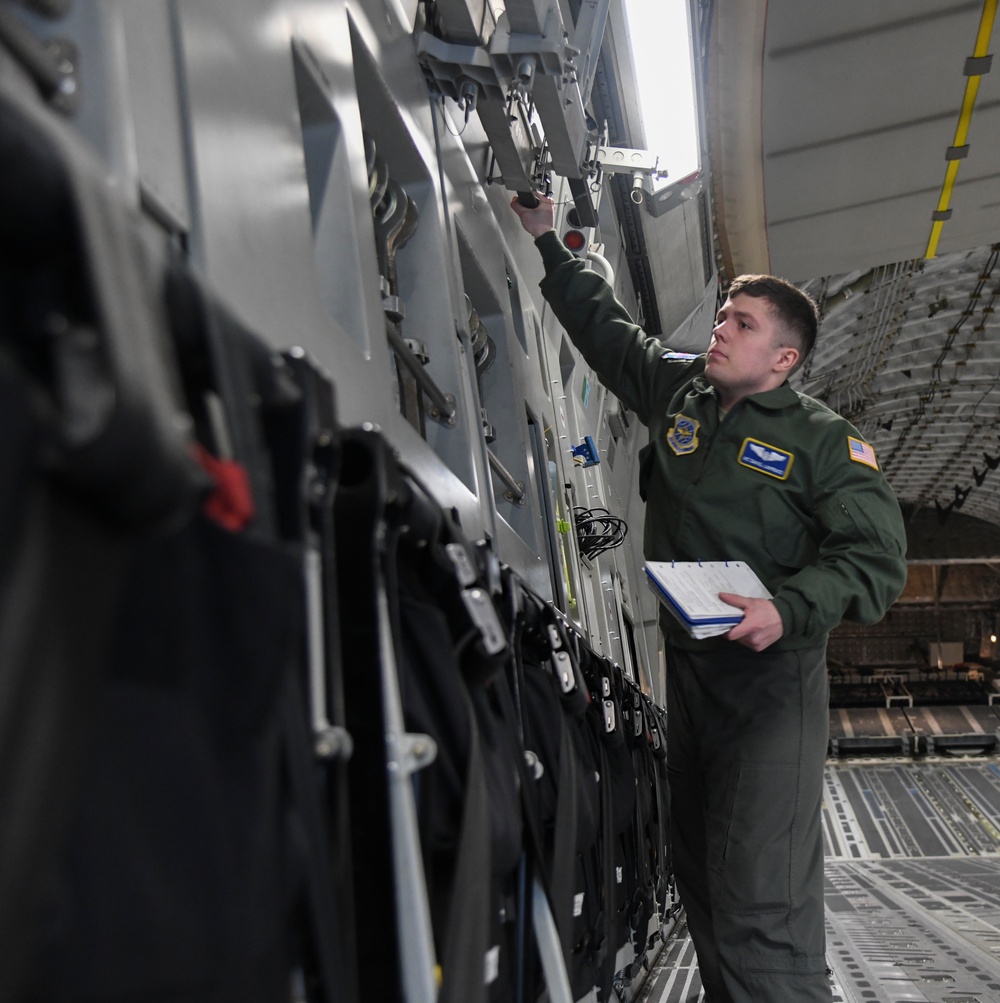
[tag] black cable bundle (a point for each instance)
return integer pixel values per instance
(597, 530)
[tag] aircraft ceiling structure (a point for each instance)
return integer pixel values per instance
(835, 133)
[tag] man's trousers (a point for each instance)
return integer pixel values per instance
(747, 741)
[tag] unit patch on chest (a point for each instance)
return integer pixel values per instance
(683, 437)
(767, 459)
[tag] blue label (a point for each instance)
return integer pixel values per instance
(767, 459)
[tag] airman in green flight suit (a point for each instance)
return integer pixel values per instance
(740, 466)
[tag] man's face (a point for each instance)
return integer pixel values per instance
(744, 356)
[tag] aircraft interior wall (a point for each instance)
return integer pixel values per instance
(328, 668)
(300, 227)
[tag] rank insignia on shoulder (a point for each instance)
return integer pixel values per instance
(766, 459)
(683, 437)
(679, 356)
(861, 452)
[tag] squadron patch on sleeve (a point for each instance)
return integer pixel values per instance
(683, 437)
(766, 458)
(861, 452)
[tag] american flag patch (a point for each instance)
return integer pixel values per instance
(861, 452)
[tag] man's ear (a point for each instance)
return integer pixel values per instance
(788, 356)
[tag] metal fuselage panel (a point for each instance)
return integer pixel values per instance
(273, 142)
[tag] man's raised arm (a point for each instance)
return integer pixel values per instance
(537, 220)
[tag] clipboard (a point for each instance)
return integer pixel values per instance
(690, 591)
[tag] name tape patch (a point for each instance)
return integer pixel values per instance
(861, 452)
(766, 459)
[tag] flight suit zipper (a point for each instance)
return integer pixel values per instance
(710, 445)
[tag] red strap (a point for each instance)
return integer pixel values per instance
(230, 502)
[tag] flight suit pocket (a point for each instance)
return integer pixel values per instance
(848, 515)
(756, 863)
(785, 536)
(782, 975)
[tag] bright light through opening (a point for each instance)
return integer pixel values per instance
(660, 37)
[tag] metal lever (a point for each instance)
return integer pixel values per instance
(396, 218)
(49, 64)
(443, 407)
(515, 489)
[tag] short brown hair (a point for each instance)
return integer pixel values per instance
(795, 310)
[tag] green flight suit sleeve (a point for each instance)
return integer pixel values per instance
(627, 361)
(860, 568)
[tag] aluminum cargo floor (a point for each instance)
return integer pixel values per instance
(912, 886)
